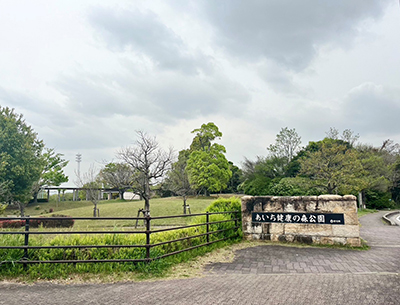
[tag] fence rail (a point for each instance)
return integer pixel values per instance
(148, 245)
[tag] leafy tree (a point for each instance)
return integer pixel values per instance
(236, 179)
(4, 196)
(260, 175)
(293, 168)
(178, 180)
(52, 171)
(381, 173)
(20, 156)
(149, 163)
(287, 144)
(204, 137)
(207, 166)
(334, 168)
(118, 176)
(297, 186)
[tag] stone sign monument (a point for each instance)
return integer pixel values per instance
(325, 219)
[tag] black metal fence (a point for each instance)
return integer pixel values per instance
(148, 231)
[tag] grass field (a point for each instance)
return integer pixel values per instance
(121, 208)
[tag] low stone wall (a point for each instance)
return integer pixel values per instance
(299, 219)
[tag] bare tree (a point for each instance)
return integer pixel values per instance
(347, 135)
(92, 187)
(178, 180)
(149, 164)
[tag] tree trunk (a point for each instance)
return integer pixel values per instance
(35, 196)
(147, 204)
(95, 210)
(147, 196)
(184, 204)
(121, 194)
(21, 208)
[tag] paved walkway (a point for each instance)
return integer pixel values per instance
(384, 255)
(279, 275)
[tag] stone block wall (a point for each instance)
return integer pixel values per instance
(347, 234)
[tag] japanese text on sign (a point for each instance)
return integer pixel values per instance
(304, 218)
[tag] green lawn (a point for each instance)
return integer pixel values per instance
(119, 208)
(365, 212)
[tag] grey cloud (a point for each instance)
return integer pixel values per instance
(279, 79)
(368, 109)
(288, 32)
(14, 98)
(44, 112)
(145, 33)
(372, 108)
(162, 96)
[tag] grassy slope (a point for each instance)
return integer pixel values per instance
(118, 208)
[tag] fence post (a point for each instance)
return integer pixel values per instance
(148, 237)
(208, 227)
(26, 243)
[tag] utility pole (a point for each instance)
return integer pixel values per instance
(78, 159)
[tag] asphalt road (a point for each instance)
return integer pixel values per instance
(260, 275)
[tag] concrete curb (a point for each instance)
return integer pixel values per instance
(389, 221)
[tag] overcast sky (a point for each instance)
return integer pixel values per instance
(87, 74)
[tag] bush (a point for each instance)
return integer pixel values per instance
(11, 224)
(297, 186)
(225, 205)
(68, 222)
(379, 200)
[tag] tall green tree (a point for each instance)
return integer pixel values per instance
(207, 166)
(204, 137)
(334, 168)
(52, 173)
(21, 160)
(236, 179)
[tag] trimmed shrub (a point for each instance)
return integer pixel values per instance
(11, 224)
(67, 222)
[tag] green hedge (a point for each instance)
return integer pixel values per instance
(67, 222)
